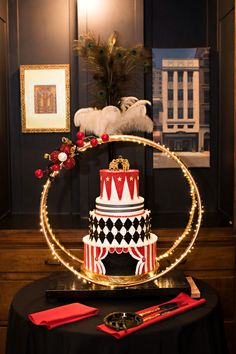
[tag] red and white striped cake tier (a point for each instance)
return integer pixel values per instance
(145, 255)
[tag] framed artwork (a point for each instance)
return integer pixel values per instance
(45, 98)
(181, 105)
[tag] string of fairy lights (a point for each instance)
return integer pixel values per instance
(75, 264)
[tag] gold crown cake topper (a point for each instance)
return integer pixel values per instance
(115, 163)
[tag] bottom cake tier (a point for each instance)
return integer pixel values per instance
(120, 261)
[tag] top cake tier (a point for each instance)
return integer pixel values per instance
(119, 187)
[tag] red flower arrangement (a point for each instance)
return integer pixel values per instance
(65, 156)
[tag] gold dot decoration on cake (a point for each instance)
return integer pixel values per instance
(74, 264)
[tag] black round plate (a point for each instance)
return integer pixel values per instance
(122, 320)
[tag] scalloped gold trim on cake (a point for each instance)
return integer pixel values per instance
(115, 280)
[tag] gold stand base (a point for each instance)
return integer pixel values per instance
(118, 280)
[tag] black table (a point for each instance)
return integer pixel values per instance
(198, 331)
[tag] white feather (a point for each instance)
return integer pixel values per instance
(110, 120)
(126, 102)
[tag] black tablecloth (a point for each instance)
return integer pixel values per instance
(199, 331)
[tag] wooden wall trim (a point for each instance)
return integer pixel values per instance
(18, 238)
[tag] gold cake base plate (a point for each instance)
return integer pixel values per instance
(118, 280)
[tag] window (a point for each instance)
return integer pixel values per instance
(190, 76)
(180, 126)
(170, 95)
(180, 95)
(206, 96)
(170, 76)
(180, 76)
(190, 112)
(180, 113)
(170, 126)
(190, 94)
(190, 126)
(207, 117)
(206, 141)
(170, 113)
(206, 77)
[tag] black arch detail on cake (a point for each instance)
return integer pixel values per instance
(120, 264)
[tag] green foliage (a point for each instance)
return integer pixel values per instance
(113, 68)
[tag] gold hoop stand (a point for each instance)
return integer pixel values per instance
(75, 264)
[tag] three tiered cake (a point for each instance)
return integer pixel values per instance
(120, 242)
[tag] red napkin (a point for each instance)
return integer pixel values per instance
(62, 315)
(183, 300)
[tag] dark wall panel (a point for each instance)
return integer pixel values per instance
(4, 152)
(40, 33)
(44, 36)
(185, 24)
(226, 125)
(179, 24)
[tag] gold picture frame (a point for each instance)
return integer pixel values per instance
(45, 98)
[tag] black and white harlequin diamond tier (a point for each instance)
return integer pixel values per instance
(123, 231)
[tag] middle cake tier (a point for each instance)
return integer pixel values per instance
(119, 231)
